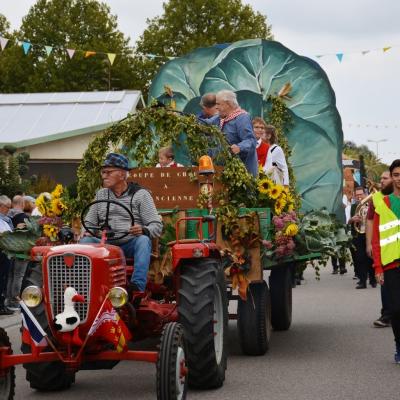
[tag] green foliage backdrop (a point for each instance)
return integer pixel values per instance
(140, 136)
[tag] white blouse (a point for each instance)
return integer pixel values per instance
(276, 165)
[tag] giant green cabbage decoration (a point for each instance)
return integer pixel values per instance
(257, 69)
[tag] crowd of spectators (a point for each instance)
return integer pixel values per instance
(13, 216)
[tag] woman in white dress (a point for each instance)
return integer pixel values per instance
(275, 166)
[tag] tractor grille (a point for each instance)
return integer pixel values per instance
(77, 276)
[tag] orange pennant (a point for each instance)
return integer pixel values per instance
(89, 53)
(386, 49)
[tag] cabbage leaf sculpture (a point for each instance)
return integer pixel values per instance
(257, 69)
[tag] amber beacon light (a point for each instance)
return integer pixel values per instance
(206, 166)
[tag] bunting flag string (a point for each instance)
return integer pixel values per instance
(340, 55)
(375, 126)
(27, 47)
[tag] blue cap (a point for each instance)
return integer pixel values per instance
(116, 160)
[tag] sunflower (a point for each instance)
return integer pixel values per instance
(265, 185)
(279, 205)
(51, 231)
(57, 192)
(289, 198)
(290, 207)
(57, 206)
(275, 192)
(42, 204)
(291, 230)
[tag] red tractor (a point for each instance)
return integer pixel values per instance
(186, 314)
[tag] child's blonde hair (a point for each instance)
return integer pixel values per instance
(166, 151)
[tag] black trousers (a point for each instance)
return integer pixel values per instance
(362, 263)
(342, 263)
(5, 265)
(392, 286)
(385, 311)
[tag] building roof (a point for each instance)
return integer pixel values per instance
(32, 118)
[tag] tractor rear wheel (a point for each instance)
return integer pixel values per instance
(171, 364)
(7, 381)
(254, 320)
(280, 286)
(47, 376)
(203, 312)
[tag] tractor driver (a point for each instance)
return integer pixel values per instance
(148, 225)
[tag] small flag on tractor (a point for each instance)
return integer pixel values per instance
(109, 326)
(32, 332)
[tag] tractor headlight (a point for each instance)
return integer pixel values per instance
(118, 296)
(32, 296)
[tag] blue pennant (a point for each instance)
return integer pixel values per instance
(26, 46)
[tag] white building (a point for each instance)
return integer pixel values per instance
(55, 128)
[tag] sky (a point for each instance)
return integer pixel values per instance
(366, 85)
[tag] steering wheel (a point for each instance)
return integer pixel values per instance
(110, 233)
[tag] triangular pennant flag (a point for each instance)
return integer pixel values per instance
(385, 49)
(111, 57)
(364, 52)
(26, 46)
(89, 53)
(339, 56)
(71, 53)
(49, 49)
(3, 42)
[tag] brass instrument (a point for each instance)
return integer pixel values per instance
(362, 207)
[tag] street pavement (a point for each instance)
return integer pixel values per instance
(331, 352)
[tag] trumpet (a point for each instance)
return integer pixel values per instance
(362, 207)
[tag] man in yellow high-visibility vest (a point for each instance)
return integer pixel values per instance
(386, 187)
(386, 249)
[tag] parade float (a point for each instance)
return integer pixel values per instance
(222, 228)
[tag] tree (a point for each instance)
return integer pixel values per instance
(12, 167)
(373, 165)
(4, 25)
(74, 24)
(189, 24)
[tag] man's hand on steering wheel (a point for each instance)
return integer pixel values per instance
(136, 230)
(105, 226)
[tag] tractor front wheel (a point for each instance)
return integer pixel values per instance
(203, 312)
(7, 378)
(171, 365)
(46, 376)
